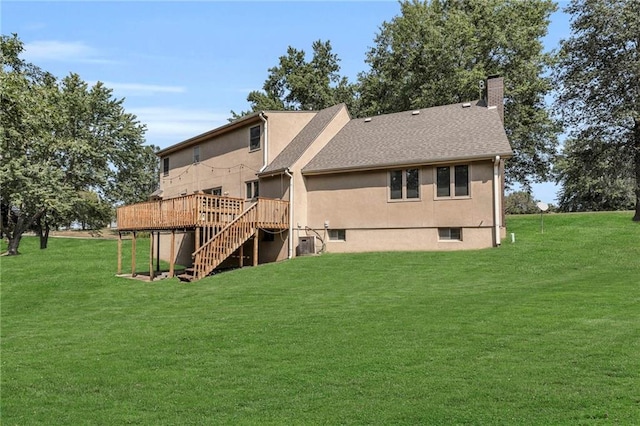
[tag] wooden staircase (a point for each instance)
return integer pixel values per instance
(223, 244)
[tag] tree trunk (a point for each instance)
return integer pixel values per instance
(20, 226)
(14, 242)
(44, 236)
(636, 165)
(16, 236)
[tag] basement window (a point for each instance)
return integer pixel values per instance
(450, 234)
(337, 235)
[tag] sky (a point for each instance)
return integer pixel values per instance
(183, 66)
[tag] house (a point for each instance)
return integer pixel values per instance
(276, 184)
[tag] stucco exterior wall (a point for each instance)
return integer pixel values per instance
(300, 189)
(226, 161)
(359, 203)
(283, 127)
(406, 239)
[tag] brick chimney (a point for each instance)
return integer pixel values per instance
(495, 94)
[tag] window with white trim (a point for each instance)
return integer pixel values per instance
(404, 184)
(254, 138)
(452, 180)
(253, 189)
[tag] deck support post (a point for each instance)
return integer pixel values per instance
(158, 254)
(119, 252)
(151, 256)
(255, 249)
(172, 255)
(240, 256)
(133, 255)
(197, 238)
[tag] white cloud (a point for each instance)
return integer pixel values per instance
(137, 89)
(53, 50)
(167, 126)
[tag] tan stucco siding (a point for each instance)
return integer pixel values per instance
(300, 201)
(275, 187)
(406, 239)
(225, 161)
(361, 200)
(283, 127)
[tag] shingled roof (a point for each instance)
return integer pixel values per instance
(443, 133)
(292, 152)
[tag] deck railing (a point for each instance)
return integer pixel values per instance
(181, 212)
(272, 214)
(196, 210)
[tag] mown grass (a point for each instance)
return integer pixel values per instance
(542, 331)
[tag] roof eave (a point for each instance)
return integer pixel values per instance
(504, 155)
(254, 117)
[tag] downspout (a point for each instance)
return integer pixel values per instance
(496, 199)
(265, 149)
(288, 173)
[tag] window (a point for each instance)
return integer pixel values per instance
(337, 235)
(196, 154)
(165, 166)
(254, 138)
(458, 181)
(461, 181)
(214, 191)
(450, 234)
(404, 184)
(252, 189)
(444, 182)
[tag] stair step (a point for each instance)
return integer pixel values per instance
(185, 278)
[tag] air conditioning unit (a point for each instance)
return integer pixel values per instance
(306, 245)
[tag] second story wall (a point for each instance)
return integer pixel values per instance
(225, 161)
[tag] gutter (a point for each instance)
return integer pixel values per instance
(496, 199)
(288, 173)
(265, 149)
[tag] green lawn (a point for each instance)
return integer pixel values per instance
(542, 331)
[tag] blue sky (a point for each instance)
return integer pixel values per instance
(183, 66)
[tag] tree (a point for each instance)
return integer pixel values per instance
(436, 52)
(60, 139)
(595, 176)
(520, 202)
(296, 84)
(599, 99)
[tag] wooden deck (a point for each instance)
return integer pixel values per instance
(224, 223)
(199, 210)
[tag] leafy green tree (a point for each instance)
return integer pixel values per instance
(520, 202)
(595, 176)
(61, 139)
(298, 84)
(436, 52)
(599, 99)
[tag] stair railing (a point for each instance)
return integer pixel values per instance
(218, 248)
